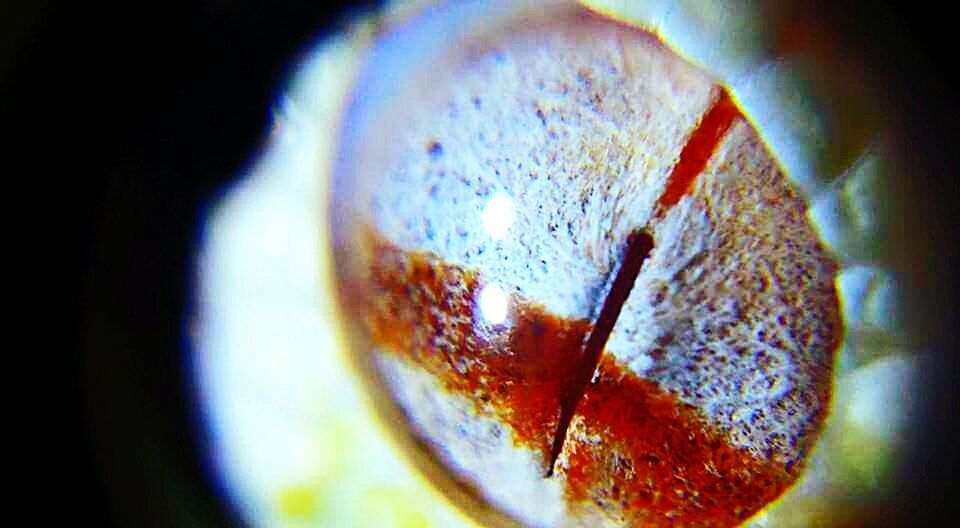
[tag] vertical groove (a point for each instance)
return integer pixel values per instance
(698, 149)
(639, 245)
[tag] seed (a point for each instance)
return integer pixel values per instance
(542, 297)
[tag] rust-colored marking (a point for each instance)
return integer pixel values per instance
(639, 245)
(424, 311)
(633, 449)
(698, 149)
(658, 463)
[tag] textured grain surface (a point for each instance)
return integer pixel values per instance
(716, 377)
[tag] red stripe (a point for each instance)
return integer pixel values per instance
(699, 148)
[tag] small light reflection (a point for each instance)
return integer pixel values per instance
(493, 304)
(497, 215)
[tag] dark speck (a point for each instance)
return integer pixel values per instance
(434, 149)
(541, 117)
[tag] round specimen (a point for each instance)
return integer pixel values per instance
(480, 224)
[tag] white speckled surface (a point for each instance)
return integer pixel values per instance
(286, 417)
(579, 122)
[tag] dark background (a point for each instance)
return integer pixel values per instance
(130, 117)
(134, 115)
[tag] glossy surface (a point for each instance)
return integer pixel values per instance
(588, 132)
(638, 453)
(295, 442)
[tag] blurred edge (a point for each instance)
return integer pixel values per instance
(907, 51)
(152, 108)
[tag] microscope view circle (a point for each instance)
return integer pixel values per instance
(586, 283)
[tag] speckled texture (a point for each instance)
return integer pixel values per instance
(579, 125)
(479, 447)
(580, 121)
(736, 312)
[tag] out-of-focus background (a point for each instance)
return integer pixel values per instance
(151, 119)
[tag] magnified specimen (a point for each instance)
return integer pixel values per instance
(586, 285)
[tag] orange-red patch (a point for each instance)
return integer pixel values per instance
(636, 452)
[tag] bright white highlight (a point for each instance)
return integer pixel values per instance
(497, 215)
(493, 304)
